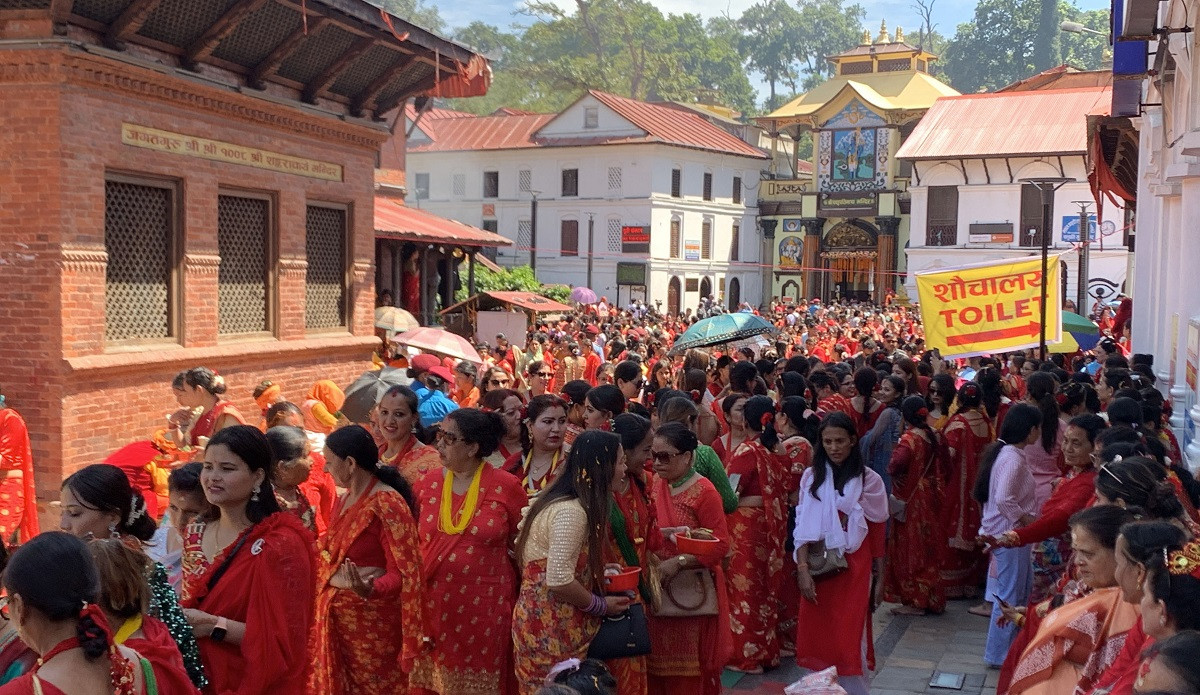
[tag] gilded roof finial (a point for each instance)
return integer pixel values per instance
(899, 35)
(866, 38)
(883, 34)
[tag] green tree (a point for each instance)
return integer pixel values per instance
(415, 11)
(516, 279)
(828, 27)
(1086, 51)
(770, 29)
(1046, 50)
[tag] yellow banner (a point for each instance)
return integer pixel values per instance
(989, 308)
(192, 146)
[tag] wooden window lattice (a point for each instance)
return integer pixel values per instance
(735, 242)
(706, 234)
(614, 236)
(676, 233)
(676, 183)
(895, 65)
(614, 178)
(857, 68)
(708, 183)
(737, 190)
(942, 227)
(138, 231)
(325, 277)
(524, 180)
(242, 243)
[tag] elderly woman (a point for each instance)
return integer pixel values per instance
(560, 604)
(368, 624)
(469, 516)
(397, 419)
(688, 651)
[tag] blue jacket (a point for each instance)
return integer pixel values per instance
(432, 406)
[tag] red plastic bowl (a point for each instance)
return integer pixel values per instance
(695, 546)
(627, 580)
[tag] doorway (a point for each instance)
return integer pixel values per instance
(673, 292)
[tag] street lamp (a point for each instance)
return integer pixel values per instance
(1085, 238)
(533, 232)
(591, 228)
(1046, 186)
(1077, 28)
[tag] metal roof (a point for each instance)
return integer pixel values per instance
(1007, 124)
(395, 220)
(889, 91)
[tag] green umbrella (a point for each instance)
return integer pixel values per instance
(1074, 323)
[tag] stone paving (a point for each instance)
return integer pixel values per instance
(908, 650)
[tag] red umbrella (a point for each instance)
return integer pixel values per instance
(439, 342)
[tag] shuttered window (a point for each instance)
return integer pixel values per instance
(706, 233)
(676, 232)
(570, 238)
(244, 245)
(1031, 217)
(676, 183)
(325, 278)
(941, 229)
(735, 242)
(141, 239)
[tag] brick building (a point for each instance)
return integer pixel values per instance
(191, 182)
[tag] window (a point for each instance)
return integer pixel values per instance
(243, 243)
(591, 117)
(489, 252)
(614, 235)
(141, 238)
(460, 184)
(325, 278)
(421, 186)
(676, 233)
(735, 241)
(706, 240)
(708, 186)
(737, 190)
(524, 238)
(1031, 217)
(570, 182)
(569, 242)
(614, 178)
(491, 184)
(525, 180)
(676, 183)
(942, 226)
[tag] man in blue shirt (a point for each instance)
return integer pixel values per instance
(429, 381)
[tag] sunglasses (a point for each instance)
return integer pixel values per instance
(662, 456)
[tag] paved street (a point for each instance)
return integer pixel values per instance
(908, 652)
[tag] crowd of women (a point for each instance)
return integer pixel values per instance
(636, 528)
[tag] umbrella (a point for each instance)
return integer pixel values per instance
(1077, 324)
(365, 392)
(395, 319)
(439, 342)
(720, 329)
(1067, 346)
(583, 295)
(1086, 341)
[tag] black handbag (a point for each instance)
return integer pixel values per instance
(622, 636)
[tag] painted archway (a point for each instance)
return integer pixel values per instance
(848, 256)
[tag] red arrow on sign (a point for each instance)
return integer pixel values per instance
(1030, 329)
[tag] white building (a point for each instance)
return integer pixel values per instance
(670, 198)
(969, 154)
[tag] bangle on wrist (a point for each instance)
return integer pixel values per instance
(598, 606)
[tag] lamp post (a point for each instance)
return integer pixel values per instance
(533, 232)
(1046, 186)
(1085, 251)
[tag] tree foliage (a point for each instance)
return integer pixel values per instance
(415, 11)
(517, 279)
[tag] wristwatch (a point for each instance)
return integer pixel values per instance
(219, 632)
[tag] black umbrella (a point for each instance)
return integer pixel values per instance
(365, 392)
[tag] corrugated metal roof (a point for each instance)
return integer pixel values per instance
(530, 300)
(887, 90)
(1007, 123)
(675, 127)
(395, 220)
(454, 134)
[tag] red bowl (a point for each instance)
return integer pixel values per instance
(627, 580)
(695, 546)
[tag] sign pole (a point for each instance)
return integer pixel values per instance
(1047, 187)
(591, 229)
(533, 234)
(1085, 238)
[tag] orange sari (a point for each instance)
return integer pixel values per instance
(367, 646)
(414, 460)
(18, 497)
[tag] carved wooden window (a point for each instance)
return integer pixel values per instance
(706, 240)
(708, 183)
(141, 237)
(569, 242)
(676, 233)
(325, 288)
(243, 283)
(676, 183)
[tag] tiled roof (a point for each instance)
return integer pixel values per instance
(661, 124)
(395, 220)
(1061, 77)
(1007, 124)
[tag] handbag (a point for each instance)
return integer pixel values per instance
(822, 560)
(622, 636)
(897, 508)
(690, 593)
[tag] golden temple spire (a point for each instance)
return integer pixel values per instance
(899, 35)
(866, 38)
(883, 34)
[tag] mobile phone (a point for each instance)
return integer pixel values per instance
(1002, 602)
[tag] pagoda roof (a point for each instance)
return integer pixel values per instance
(889, 91)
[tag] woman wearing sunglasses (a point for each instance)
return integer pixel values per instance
(538, 374)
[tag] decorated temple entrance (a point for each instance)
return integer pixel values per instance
(849, 257)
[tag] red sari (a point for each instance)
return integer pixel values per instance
(18, 497)
(414, 460)
(269, 587)
(912, 575)
(688, 654)
(367, 646)
(159, 648)
(203, 427)
(964, 565)
(756, 532)
(798, 453)
(470, 586)
(637, 526)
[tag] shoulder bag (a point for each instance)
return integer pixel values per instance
(690, 593)
(622, 636)
(822, 560)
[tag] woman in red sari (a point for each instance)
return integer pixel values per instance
(966, 434)
(508, 404)
(249, 574)
(396, 417)
(843, 504)
(912, 575)
(469, 516)
(18, 497)
(559, 607)
(756, 533)
(688, 653)
(542, 429)
(200, 387)
(52, 591)
(368, 626)
(792, 420)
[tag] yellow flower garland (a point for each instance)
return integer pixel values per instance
(445, 521)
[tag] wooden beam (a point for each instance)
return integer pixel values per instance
(322, 82)
(268, 66)
(202, 47)
(128, 22)
(382, 107)
(60, 10)
(366, 98)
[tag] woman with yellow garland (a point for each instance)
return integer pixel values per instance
(396, 417)
(469, 516)
(543, 425)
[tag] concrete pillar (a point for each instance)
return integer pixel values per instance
(768, 234)
(814, 227)
(885, 261)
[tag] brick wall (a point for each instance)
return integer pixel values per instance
(81, 397)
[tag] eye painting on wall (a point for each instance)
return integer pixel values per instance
(853, 155)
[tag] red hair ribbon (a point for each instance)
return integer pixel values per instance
(923, 412)
(1061, 398)
(779, 407)
(697, 397)
(767, 418)
(121, 670)
(524, 412)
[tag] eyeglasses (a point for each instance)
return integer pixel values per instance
(663, 456)
(448, 437)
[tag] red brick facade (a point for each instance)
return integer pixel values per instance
(60, 136)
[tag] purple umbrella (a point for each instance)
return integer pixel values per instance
(583, 295)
